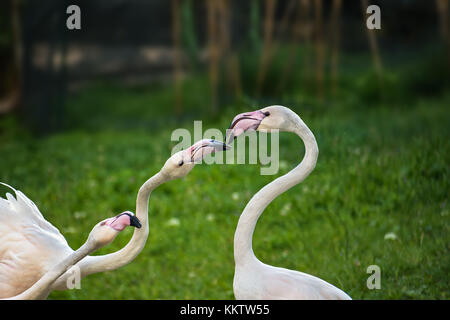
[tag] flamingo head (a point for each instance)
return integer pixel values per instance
(182, 162)
(266, 119)
(107, 230)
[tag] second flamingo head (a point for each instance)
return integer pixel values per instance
(182, 162)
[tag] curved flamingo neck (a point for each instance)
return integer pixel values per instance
(112, 261)
(243, 251)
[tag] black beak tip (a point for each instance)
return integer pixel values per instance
(134, 222)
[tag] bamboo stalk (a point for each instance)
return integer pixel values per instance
(320, 49)
(442, 9)
(373, 44)
(13, 99)
(229, 57)
(285, 19)
(300, 20)
(335, 44)
(177, 73)
(224, 23)
(213, 53)
(443, 13)
(308, 27)
(267, 46)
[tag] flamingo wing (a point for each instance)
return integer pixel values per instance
(29, 244)
(23, 209)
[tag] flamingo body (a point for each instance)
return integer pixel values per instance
(252, 278)
(266, 282)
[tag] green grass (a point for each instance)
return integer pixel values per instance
(380, 170)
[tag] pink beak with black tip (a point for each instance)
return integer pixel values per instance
(121, 221)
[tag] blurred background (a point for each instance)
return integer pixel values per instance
(86, 117)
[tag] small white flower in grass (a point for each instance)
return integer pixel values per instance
(284, 165)
(79, 215)
(210, 217)
(286, 208)
(173, 222)
(390, 236)
(92, 184)
(235, 196)
(70, 230)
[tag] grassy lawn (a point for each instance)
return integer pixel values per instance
(381, 170)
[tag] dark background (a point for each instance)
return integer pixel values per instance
(115, 34)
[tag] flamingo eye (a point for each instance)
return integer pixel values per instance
(180, 163)
(267, 113)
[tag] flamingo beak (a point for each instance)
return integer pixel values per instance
(244, 122)
(219, 146)
(134, 221)
(203, 147)
(121, 221)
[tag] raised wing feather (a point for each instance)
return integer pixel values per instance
(21, 208)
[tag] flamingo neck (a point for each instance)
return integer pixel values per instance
(112, 261)
(243, 251)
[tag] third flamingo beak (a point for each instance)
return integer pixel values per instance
(134, 221)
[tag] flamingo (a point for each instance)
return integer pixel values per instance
(253, 279)
(30, 245)
(101, 235)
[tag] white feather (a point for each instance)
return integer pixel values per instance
(29, 244)
(24, 209)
